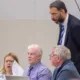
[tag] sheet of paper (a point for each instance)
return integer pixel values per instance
(17, 69)
(2, 77)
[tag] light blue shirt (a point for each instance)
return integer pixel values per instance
(65, 28)
(39, 72)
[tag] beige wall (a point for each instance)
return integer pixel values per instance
(23, 22)
(33, 9)
(16, 35)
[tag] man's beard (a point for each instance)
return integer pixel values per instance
(61, 19)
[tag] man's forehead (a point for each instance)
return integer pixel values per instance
(32, 50)
(54, 9)
(53, 50)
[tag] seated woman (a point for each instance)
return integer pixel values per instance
(8, 62)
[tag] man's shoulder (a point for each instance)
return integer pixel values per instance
(73, 20)
(69, 66)
(42, 70)
(69, 70)
(73, 17)
(42, 67)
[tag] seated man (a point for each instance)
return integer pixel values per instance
(36, 70)
(61, 59)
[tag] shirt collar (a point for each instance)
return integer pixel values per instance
(35, 65)
(66, 20)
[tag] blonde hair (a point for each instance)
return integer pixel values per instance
(3, 71)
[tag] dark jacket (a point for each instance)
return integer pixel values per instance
(72, 39)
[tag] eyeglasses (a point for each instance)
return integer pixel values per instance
(52, 55)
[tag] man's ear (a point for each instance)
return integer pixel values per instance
(39, 57)
(58, 58)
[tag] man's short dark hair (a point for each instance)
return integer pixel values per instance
(59, 5)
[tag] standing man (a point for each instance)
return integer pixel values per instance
(61, 59)
(69, 30)
(36, 70)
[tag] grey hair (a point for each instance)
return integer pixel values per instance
(37, 47)
(63, 52)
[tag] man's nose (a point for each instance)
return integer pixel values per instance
(29, 55)
(52, 16)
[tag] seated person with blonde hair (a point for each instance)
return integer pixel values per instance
(8, 62)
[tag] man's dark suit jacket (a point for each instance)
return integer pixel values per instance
(66, 71)
(72, 39)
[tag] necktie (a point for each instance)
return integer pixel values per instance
(61, 34)
(29, 71)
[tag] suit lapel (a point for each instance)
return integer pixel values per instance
(66, 37)
(55, 73)
(67, 32)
